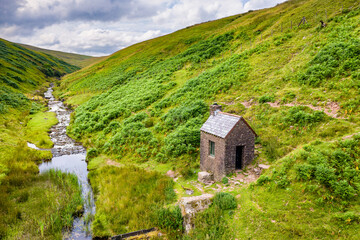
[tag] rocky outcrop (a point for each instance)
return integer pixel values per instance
(191, 205)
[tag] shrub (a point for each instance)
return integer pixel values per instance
(282, 39)
(91, 153)
(263, 179)
(343, 190)
(266, 98)
(169, 219)
(210, 224)
(298, 115)
(283, 182)
(324, 174)
(185, 139)
(149, 122)
(225, 201)
(180, 115)
(333, 166)
(304, 171)
(337, 58)
(348, 217)
(225, 180)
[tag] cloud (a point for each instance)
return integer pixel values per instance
(41, 13)
(259, 4)
(100, 27)
(189, 12)
(91, 38)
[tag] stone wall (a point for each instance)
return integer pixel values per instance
(208, 163)
(191, 205)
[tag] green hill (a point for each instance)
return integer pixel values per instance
(25, 211)
(22, 71)
(296, 83)
(72, 58)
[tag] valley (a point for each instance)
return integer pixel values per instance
(138, 113)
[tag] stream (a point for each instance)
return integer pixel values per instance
(69, 156)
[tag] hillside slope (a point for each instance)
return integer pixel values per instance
(72, 58)
(294, 81)
(23, 70)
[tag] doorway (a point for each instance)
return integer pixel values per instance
(239, 157)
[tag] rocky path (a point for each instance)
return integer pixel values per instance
(331, 108)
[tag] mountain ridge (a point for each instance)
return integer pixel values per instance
(78, 60)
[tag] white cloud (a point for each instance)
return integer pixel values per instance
(189, 12)
(259, 4)
(91, 38)
(101, 27)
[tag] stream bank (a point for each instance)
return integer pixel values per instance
(69, 156)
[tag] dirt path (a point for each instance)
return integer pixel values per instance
(331, 109)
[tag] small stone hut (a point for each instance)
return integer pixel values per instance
(227, 143)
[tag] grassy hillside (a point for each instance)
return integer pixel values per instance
(25, 211)
(294, 83)
(72, 58)
(23, 71)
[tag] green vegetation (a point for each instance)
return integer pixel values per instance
(38, 127)
(149, 105)
(126, 199)
(224, 201)
(169, 220)
(212, 223)
(22, 71)
(314, 187)
(224, 180)
(32, 206)
(145, 104)
(38, 206)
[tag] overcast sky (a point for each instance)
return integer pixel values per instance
(101, 27)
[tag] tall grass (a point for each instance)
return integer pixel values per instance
(127, 198)
(43, 205)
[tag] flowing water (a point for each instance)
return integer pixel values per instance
(69, 156)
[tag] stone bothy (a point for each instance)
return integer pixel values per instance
(227, 143)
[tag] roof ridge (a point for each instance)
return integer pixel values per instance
(231, 114)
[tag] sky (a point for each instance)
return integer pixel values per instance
(102, 27)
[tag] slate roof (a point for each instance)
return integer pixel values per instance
(220, 124)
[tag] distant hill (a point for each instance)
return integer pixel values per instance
(72, 58)
(23, 70)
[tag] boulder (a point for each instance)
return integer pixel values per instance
(205, 177)
(191, 205)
